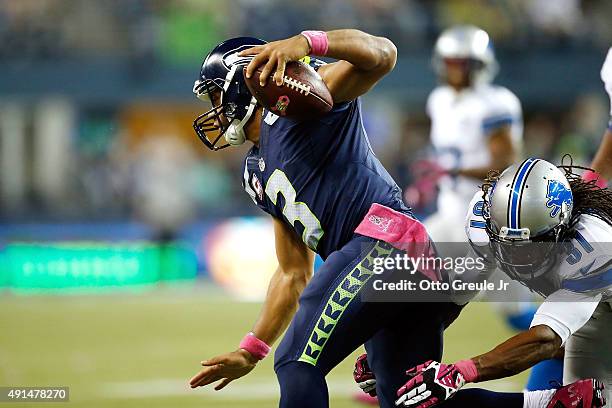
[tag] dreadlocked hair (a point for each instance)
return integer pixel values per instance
(588, 197)
(487, 186)
(490, 180)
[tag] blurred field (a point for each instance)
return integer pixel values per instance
(135, 350)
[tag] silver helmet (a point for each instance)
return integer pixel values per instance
(527, 210)
(470, 43)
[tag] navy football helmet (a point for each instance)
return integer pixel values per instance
(222, 84)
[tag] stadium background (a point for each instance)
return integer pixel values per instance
(129, 252)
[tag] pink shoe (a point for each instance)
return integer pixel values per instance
(365, 398)
(587, 393)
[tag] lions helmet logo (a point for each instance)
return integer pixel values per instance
(556, 195)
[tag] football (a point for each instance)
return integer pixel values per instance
(302, 95)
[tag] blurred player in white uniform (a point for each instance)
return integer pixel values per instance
(550, 230)
(475, 126)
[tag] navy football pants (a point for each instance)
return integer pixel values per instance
(332, 321)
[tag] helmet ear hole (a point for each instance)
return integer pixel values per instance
(230, 109)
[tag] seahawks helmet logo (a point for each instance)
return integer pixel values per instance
(557, 194)
(231, 58)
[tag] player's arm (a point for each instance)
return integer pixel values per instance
(518, 353)
(602, 163)
(561, 315)
(433, 382)
(293, 273)
(363, 59)
(502, 151)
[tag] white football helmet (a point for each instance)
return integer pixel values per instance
(470, 43)
(527, 210)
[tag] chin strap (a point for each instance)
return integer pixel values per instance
(235, 134)
(566, 214)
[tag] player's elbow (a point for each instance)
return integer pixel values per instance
(297, 278)
(501, 148)
(387, 55)
(549, 341)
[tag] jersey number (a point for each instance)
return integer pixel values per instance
(294, 210)
(574, 253)
(478, 211)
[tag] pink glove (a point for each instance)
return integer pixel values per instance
(434, 382)
(363, 375)
(423, 190)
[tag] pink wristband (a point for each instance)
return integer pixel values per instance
(590, 175)
(468, 369)
(258, 348)
(317, 40)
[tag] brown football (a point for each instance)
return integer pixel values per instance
(302, 95)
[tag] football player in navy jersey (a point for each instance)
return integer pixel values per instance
(327, 193)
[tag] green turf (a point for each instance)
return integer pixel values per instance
(139, 350)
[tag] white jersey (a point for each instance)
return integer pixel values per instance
(460, 125)
(575, 286)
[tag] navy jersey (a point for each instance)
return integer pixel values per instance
(319, 176)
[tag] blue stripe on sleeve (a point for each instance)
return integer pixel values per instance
(496, 122)
(589, 283)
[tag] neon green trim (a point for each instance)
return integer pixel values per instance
(339, 301)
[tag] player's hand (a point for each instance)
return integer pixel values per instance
(363, 375)
(226, 367)
(431, 383)
(423, 191)
(275, 56)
